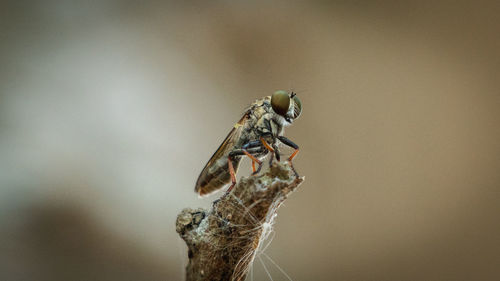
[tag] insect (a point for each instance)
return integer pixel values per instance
(257, 134)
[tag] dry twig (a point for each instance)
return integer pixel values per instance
(222, 242)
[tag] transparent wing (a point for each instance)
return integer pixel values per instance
(214, 177)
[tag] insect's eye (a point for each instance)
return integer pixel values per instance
(297, 107)
(280, 102)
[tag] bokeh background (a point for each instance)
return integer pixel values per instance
(110, 109)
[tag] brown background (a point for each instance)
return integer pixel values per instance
(110, 109)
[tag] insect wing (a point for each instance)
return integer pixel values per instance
(204, 184)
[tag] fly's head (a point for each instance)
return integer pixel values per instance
(287, 106)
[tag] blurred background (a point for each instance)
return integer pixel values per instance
(110, 109)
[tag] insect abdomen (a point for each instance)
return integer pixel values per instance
(215, 177)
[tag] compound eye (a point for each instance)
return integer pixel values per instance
(280, 102)
(297, 107)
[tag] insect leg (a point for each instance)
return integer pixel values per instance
(290, 143)
(273, 150)
(276, 151)
(231, 172)
(249, 152)
(257, 150)
(239, 152)
(252, 144)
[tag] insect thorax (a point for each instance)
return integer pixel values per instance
(262, 122)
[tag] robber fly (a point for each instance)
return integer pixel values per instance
(255, 135)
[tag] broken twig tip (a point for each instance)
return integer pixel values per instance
(223, 241)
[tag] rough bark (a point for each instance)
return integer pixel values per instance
(222, 241)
